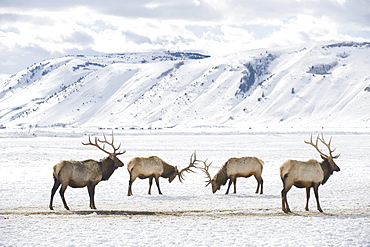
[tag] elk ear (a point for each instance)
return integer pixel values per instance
(323, 157)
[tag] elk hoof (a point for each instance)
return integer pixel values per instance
(286, 210)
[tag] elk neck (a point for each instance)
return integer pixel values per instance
(325, 166)
(167, 170)
(108, 167)
(221, 176)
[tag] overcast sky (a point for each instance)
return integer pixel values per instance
(32, 31)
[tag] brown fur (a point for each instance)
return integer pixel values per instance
(78, 174)
(306, 174)
(150, 167)
(238, 167)
(221, 176)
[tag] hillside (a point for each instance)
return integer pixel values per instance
(320, 85)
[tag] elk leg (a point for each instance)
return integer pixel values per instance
(285, 205)
(283, 199)
(316, 190)
(53, 190)
(150, 184)
(259, 183)
(91, 190)
(61, 192)
(284, 192)
(129, 193)
(157, 183)
(307, 196)
(228, 187)
(234, 185)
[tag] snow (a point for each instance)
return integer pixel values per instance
(310, 85)
(187, 214)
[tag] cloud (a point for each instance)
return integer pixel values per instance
(206, 11)
(305, 28)
(136, 38)
(26, 55)
(49, 28)
(79, 38)
(13, 19)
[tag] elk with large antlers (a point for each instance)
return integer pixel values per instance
(154, 167)
(234, 168)
(78, 174)
(307, 174)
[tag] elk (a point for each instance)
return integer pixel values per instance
(154, 167)
(78, 174)
(307, 174)
(234, 168)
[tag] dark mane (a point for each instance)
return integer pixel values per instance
(107, 166)
(327, 170)
(167, 169)
(221, 176)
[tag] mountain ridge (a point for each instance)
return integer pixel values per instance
(310, 85)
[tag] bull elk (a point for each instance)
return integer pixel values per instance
(307, 174)
(154, 167)
(78, 174)
(234, 168)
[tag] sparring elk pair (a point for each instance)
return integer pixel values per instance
(154, 167)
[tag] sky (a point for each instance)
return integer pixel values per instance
(35, 30)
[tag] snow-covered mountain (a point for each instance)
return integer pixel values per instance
(312, 85)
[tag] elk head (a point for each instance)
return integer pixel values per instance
(327, 158)
(112, 156)
(193, 160)
(172, 176)
(215, 186)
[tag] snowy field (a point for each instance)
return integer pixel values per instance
(186, 214)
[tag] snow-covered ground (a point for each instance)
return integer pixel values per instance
(186, 214)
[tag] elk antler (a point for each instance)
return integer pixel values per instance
(105, 141)
(205, 170)
(316, 146)
(323, 142)
(328, 146)
(193, 160)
